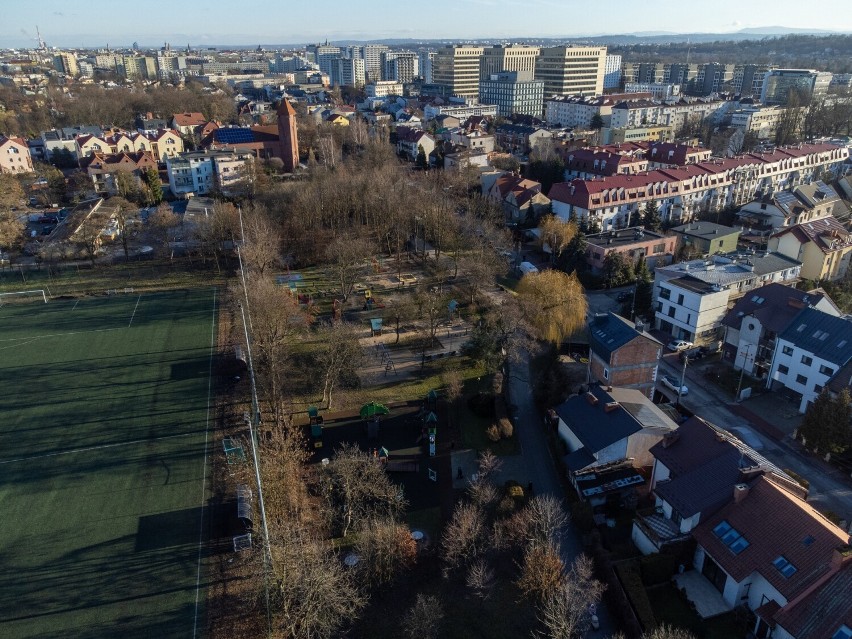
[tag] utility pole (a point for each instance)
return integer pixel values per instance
(682, 377)
(742, 372)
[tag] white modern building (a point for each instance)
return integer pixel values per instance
(512, 95)
(809, 352)
(200, 172)
(569, 70)
(779, 83)
(383, 88)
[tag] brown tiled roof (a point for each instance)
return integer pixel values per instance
(826, 233)
(775, 523)
(193, 118)
(775, 305)
(124, 161)
(820, 614)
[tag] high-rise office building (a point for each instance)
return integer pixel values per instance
(326, 57)
(515, 57)
(779, 84)
(457, 68)
(571, 70)
(66, 63)
(512, 95)
(349, 72)
(748, 79)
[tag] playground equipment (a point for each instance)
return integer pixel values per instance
(371, 413)
(316, 422)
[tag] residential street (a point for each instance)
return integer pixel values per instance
(535, 464)
(707, 400)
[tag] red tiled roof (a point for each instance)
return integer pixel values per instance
(820, 614)
(775, 523)
(193, 118)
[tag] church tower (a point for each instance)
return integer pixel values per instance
(287, 136)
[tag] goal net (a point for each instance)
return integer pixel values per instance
(35, 295)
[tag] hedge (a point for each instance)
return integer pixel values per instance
(657, 569)
(631, 580)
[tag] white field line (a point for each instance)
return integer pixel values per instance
(75, 305)
(204, 475)
(73, 451)
(134, 311)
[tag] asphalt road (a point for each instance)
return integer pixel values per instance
(827, 492)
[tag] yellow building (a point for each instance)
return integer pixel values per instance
(822, 246)
(638, 134)
(571, 70)
(457, 67)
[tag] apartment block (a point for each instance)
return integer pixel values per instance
(612, 72)
(778, 84)
(512, 95)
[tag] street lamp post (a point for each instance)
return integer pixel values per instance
(682, 378)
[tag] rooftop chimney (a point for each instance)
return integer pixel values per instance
(740, 492)
(670, 438)
(590, 397)
(610, 406)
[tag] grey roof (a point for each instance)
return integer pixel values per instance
(578, 460)
(826, 336)
(731, 268)
(705, 230)
(775, 305)
(592, 425)
(704, 464)
(70, 132)
(608, 333)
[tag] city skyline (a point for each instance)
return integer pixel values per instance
(118, 23)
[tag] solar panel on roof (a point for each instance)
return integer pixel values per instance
(234, 136)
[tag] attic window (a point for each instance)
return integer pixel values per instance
(807, 541)
(842, 343)
(731, 537)
(784, 567)
(821, 335)
(843, 632)
(801, 328)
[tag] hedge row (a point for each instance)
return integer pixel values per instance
(631, 579)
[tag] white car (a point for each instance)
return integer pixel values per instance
(679, 345)
(674, 384)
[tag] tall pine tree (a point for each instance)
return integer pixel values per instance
(651, 219)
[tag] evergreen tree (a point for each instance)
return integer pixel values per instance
(596, 122)
(651, 219)
(617, 270)
(573, 258)
(826, 426)
(644, 291)
(421, 161)
(155, 186)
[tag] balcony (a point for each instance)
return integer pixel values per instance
(659, 530)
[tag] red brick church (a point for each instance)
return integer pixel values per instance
(264, 141)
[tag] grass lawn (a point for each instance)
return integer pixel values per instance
(103, 465)
(671, 608)
(473, 426)
(728, 379)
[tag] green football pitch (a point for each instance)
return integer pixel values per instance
(104, 415)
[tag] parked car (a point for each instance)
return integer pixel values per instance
(624, 296)
(679, 345)
(692, 354)
(674, 384)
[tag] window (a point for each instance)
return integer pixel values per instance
(783, 369)
(671, 311)
(680, 299)
(784, 567)
(787, 350)
(606, 373)
(807, 361)
(665, 293)
(731, 537)
(801, 379)
(825, 370)
(844, 632)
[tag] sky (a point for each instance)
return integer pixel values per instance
(96, 23)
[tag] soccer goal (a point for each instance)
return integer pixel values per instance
(23, 296)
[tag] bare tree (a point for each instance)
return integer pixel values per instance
(483, 492)
(88, 236)
(11, 192)
(340, 353)
(386, 550)
(566, 612)
(480, 579)
(542, 572)
(347, 257)
(261, 248)
(124, 216)
(163, 223)
(432, 304)
(314, 595)
(423, 619)
(464, 537)
(11, 231)
(215, 229)
(356, 490)
(546, 521)
(669, 632)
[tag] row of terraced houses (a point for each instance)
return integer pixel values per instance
(681, 192)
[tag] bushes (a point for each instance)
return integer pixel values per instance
(481, 404)
(657, 569)
(630, 578)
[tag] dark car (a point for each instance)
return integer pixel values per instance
(47, 230)
(692, 354)
(624, 296)
(50, 218)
